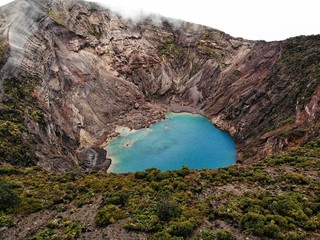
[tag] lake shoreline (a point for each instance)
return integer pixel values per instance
(160, 146)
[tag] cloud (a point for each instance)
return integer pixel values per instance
(127, 10)
(251, 19)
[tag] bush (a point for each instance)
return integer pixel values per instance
(184, 171)
(207, 235)
(144, 223)
(253, 223)
(47, 234)
(164, 236)
(182, 229)
(74, 230)
(12, 147)
(8, 198)
(313, 223)
(140, 175)
(5, 221)
(109, 214)
(223, 235)
(167, 210)
(160, 236)
(117, 198)
(61, 228)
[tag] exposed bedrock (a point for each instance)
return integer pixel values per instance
(96, 70)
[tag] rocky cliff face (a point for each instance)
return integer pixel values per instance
(91, 70)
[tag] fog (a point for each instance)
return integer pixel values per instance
(250, 19)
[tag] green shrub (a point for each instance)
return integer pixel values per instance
(272, 230)
(61, 228)
(223, 235)
(313, 223)
(109, 214)
(167, 210)
(253, 223)
(207, 235)
(120, 197)
(47, 234)
(184, 171)
(293, 235)
(6, 221)
(182, 229)
(144, 223)
(289, 205)
(140, 175)
(161, 236)
(74, 230)
(8, 198)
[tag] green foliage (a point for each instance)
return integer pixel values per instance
(38, 116)
(144, 223)
(223, 235)
(61, 228)
(167, 209)
(207, 235)
(140, 175)
(109, 214)
(8, 198)
(20, 88)
(161, 236)
(15, 108)
(171, 49)
(184, 171)
(5, 220)
(74, 230)
(183, 228)
(47, 234)
(313, 223)
(120, 197)
(13, 148)
(253, 222)
(3, 51)
(276, 198)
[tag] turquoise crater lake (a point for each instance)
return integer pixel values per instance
(180, 139)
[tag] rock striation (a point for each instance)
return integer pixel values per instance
(96, 70)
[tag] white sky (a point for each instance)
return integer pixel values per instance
(250, 19)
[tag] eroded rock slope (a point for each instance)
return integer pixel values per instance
(89, 70)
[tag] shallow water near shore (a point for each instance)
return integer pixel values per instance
(180, 139)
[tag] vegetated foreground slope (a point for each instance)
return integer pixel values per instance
(276, 198)
(72, 71)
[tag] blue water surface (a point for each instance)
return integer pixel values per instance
(181, 139)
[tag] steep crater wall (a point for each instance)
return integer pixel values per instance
(96, 70)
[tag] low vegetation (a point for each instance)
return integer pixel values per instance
(278, 198)
(17, 108)
(60, 228)
(3, 51)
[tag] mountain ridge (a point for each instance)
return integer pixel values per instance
(95, 70)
